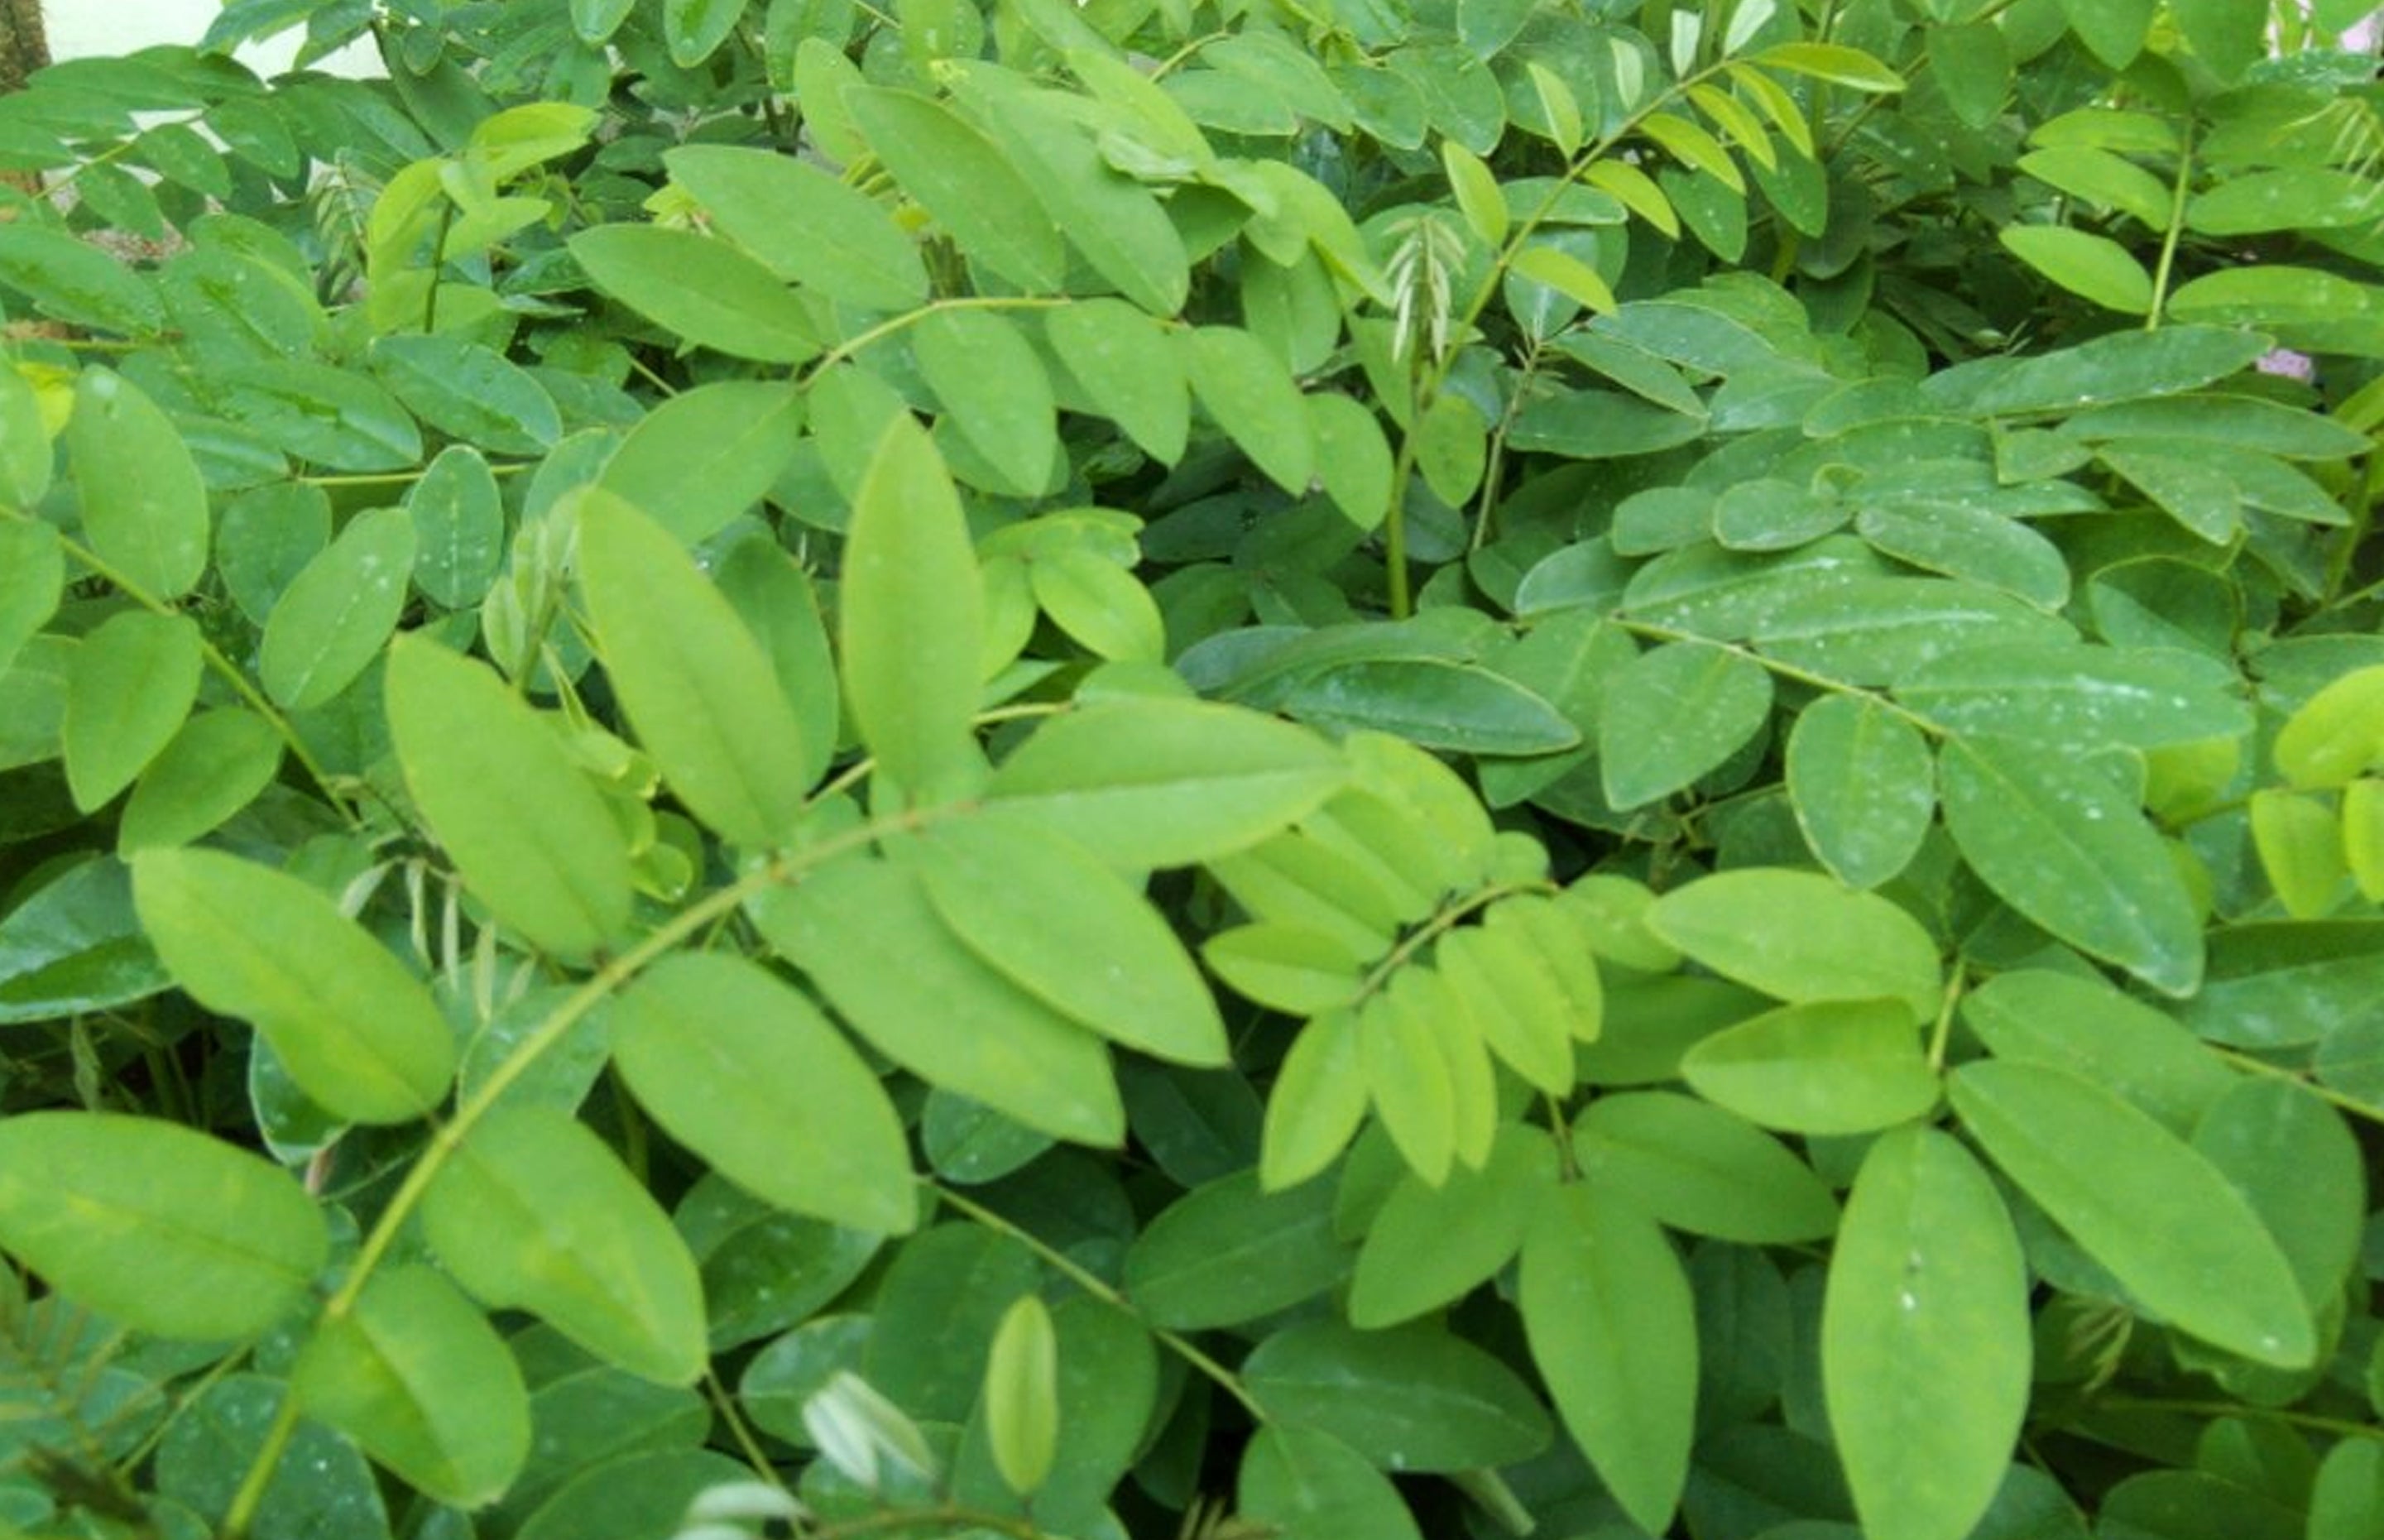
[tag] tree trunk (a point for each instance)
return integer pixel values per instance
(23, 46)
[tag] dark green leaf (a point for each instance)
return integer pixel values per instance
(1410, 1398)
(703, 290)
(1227, 1252)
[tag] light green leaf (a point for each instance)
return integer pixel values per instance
(1022, 1396)
(1695, 148)
(529, 833)
(1801, 936)
(2228, 37)
(2143, 1203)
(32, 578)
(1411, 1398)
(419, 1378)
(1255, 400)
(1476, 190)
(1099, 603)
(1862, 782)
(1306, 1484)
(2113, 30)
(804, 224)
(144, 508)
(911, 626)
(1316, 1103)
(2335, 735)
(707, 454)
(1451, 447)
(2301, 848)
(1227, 1252)
(1124, 365)
(2347, 1501)
(333, 619)
(1836, 1067)
(26, 451)
(1674, 712)
(1700, 1169)
(993, 389)
(1925, 1338)
(1832, 62)
(865, 932)
(2094, 267)
(1408, 1077)
(2084, 1025)
(1429, 1247)
(2057, 841)
(695, 683)
(1613, 1331)
(459, 528)
(1295, 969)
(216, 764)
(105, 1206)
(356, 1031)
(127, 689)
(533, 1212)
(1517, 998)
(1972, 62)
(1051, 917)
(1157, 782)
(969, 186)
(2100, 177)
(596, 21)
(699, 289)
(746, 1073)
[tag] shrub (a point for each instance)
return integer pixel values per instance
(1131, 769)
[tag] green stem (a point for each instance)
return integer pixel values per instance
(2365, 1109)
(2342, 1427)
(883, 330)
(2176, 231)
(1100, 1288)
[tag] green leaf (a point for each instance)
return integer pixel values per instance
(1099, 603)
(216, 764)
(1306, 1484)
(335, 417)
(2094, 267)
(2057, 841)
(1126, 367)
(2086, 1027)
(694, 29)
(2228, 37)
(746, 1073)
(2347, 1500)
(597, 20)
(1613, 1331)
(470, 391)
(2294, 1160)
(993, 389)
(1476, 190)
(76, 283)
(1255, 400)
(2140, 697)
(1055, 921)
(2113, 30)
(2203, 498)
(1832, 62)
(2121, 366)
(1964, 540)
(105, 1207)
(1700, 1169)
(1601, 425)
(129, 687)
(1972, 62)
(1160, 782)
(144, 509)
(356, 1031)
(804, 224)
(74, 945)
(631, 1496)
(1875, 630)
(2301, 848)
(1514, 992)
(1317, 1102)
(32, 578)
(695, 683)
(1801, 936)
(965, 183)
(911, 630)
(1925, 1338)
(706, 455)
(1863, 785)
(1410, 1398)
(2143, 1203)
(533, 1212)
(1694, 148)
(337, 613)
(529, 833)
(1022, 1396)
(1433, 703)
(938, 1308)
(866, 932)
(1429, 1247)
(26, 452)
(2100, 177)
(1228, 1253)
(459, 528)
(1673, 713)
(417, 1377)
(1837, 1067)
(704, 290)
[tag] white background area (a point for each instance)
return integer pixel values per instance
(79, 28)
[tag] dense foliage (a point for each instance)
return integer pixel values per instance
(1332, 768)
